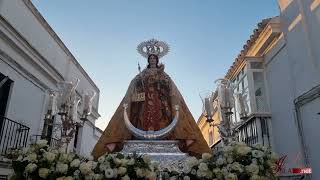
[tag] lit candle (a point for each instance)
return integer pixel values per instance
(222, 95)
(52, 102)
(74, 109)
(88, 97)
(208, 106)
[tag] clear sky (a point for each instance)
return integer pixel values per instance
(205, 36)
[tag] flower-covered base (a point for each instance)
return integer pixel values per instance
(166, 152)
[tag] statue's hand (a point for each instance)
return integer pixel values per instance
(189, 142)
(111, 146)
(161, 67)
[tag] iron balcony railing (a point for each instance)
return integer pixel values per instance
(255, 131)
(12, 135)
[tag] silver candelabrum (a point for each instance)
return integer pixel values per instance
(64, 103)
(225, 104)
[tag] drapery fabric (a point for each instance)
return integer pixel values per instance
(186, 128)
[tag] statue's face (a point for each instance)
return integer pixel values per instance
(153, 61)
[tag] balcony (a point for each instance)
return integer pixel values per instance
(255, 130)
(12, 135)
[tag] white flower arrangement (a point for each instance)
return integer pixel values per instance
(236, 161)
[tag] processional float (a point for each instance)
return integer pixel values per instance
(150, 142)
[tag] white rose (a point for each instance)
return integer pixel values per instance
(85, 168)
(220, 161)
(30, 168)
(146, 159)
(231, 176)
(124, 162)
(92, 164)
(257, 153)
(252, 169)
(201, 173)
(203, 166)
(126, 177)
(173, 178)
(43, 173)
(227, 149)
(151, 175)
(255, 177)
(68, 178)
(90, 158)
(240, 144)
(31, 157)
(154, 165)
(75, 163)
(193, 172)
(229, 159)
(243, 150)
(208, 174)
(76, 173)
(88, 177)
(224, 171)
(236, 167)
(109, 173)
(97, 176)
(103, 167)
(186, 178)
(101, 159)
(63, 158)
(274, 157)
(49, 156)
(192, 161)
(41, 143)
(70, 157)
(186, 169)
(131, 162)
(117, 161)
(62, 168)
(115, 172)
(61, 178)
(20, 158)
(206, 156)
(140, 172)
(122, 171)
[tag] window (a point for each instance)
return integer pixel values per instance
(259, 92)
(256, 65)
(5, 85)
(75, 142)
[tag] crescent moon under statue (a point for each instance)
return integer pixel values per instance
(150, 135)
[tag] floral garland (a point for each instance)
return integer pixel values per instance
(42, 162)
(236, 161)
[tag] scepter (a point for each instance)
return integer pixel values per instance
(139, 69)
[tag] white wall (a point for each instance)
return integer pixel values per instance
(24, 97)
(88, 136)
(36, 59)
(292, 68)
(284, 127)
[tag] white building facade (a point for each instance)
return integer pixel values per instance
(278, 74)
(33, 59)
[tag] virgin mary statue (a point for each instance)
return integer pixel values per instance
(151, 98)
